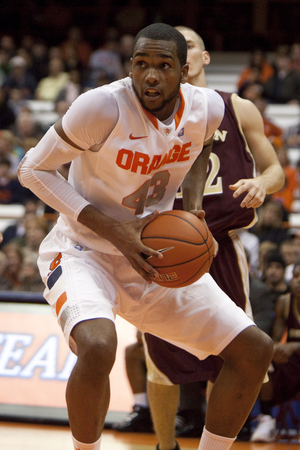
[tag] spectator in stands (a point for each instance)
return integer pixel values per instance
(11, 190)
(26, 126)
(7, 114)
(258, 69)
(27, 42)
(125, 50)
(49, 87)
(131, 17)
(252, 89)
(19, 77)
(292, 137)
(286, 195)
(10, 148)
(272, 131)
(29, 276)
(266, 248)
(16, 101)
(5, 284)
(269, 226)
(14, 260)
(273, 276)
(295, 55)
(287, 251)
(284, 380)
(40, 59)
(28, 142)
(36, 229)
(4, 65)
(251, 245)
(7, 43)
(72, 89)
(284, 84)
(262, 303)
(106, 59)
(33, 207)
(75, 40)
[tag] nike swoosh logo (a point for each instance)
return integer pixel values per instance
(136, 137)
(163, 250)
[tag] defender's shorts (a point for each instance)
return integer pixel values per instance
(286, 380)
(83, 284)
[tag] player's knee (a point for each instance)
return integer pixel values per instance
(96, 346)
(251, 350)
(99, 355)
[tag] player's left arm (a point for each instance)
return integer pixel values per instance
(271, 175)
(194, 182)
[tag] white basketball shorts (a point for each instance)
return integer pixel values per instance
(82, 284)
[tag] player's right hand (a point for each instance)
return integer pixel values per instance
(126, 236)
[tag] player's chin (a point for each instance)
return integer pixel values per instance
(153, 104)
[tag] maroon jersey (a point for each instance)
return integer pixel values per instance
(293, 321)
(230, 160)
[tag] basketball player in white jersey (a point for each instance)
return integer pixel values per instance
(131, 144)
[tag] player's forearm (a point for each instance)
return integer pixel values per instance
(194, 182)
(273, 178)
(96, 221)
(53, 190)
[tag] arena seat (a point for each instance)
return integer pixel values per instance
(43, 112)
(9, 214)
(283, 115)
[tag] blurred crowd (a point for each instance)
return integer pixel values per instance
(31, 72)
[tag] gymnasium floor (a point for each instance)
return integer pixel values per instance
(31, 436)
(40, 437)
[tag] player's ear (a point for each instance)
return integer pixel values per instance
(130, 73)
(206, 58)
(184, 73)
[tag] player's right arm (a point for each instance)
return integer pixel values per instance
(271, 176)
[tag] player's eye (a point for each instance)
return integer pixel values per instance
(140, 63)
(165, 65)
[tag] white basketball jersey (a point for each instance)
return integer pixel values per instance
(141, 164)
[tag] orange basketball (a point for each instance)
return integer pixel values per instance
(186, 244)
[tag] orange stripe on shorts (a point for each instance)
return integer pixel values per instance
(60, 302)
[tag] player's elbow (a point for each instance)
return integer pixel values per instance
(281, 178)
(25, 172)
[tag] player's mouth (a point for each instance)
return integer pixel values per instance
(152, 94)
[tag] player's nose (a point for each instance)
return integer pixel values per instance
(152, 76)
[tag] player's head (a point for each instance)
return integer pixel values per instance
(164, 32)
(158, 66)
(197, 56)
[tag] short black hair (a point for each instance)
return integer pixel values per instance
(276, 257)
(164, 32)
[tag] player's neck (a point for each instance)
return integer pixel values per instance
(198, 80)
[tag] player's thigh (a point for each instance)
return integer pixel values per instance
(76, 289)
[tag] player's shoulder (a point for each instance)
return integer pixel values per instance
(198, 94)
(105, 92)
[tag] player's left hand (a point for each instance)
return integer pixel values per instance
(283, 352)
(256, 192)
